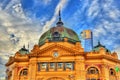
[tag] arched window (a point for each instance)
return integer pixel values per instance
(93, 74)
(92, 70)
(112, 72)
(24, 72)
(56, 36)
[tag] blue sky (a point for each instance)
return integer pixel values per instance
(23, 21)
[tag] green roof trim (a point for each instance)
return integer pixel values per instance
(24, 51)
(97, 48)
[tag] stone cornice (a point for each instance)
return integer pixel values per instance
(11, 60)
(102, 57)
(21, 60)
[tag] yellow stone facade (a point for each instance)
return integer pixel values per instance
(67, 53)
(63, 60)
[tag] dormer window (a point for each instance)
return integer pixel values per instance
(56, 36)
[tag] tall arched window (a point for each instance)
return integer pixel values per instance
(24, 72)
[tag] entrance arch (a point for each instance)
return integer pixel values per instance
(55, 78)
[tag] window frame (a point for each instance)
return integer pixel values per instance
(23, 71)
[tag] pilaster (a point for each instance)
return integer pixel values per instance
(32, 69)
(15, 73)
(118, 75)
(105, 72)
(80, 69)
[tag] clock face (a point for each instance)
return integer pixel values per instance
(55, 54)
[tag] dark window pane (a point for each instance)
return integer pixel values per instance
(52, 65)
(69, 66)
(60, 65)
(24, 72)
(44, 65)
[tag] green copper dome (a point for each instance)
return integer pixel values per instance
(23, 51)
(97, 48)
(58, 33)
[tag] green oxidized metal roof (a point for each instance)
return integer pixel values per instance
(63, 31)
(24, 51)
(97, 48)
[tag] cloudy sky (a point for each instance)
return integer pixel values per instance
(23, 21)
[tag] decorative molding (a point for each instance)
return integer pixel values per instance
(71, 51)
(10, 61)
(93, 56)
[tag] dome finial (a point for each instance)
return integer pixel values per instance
(59, 15)
(24, 46)
(99, 42)
(59, 23)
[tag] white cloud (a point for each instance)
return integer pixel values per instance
(25, 31)
(14, 8)
(48, 24)
(93, 10)
(99, 30)
(20, 27)
(118, 51)
(44, 2)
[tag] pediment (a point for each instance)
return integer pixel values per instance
(57, 48)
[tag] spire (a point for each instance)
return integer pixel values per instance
(99, 43)
(59, 23)
(24, 46)
(59, 15)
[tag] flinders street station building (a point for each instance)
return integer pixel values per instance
(59, 55)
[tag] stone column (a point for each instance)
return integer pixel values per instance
(64, 66)
(15, 74)
(118, 75)
(38, 64)
(104, 72)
